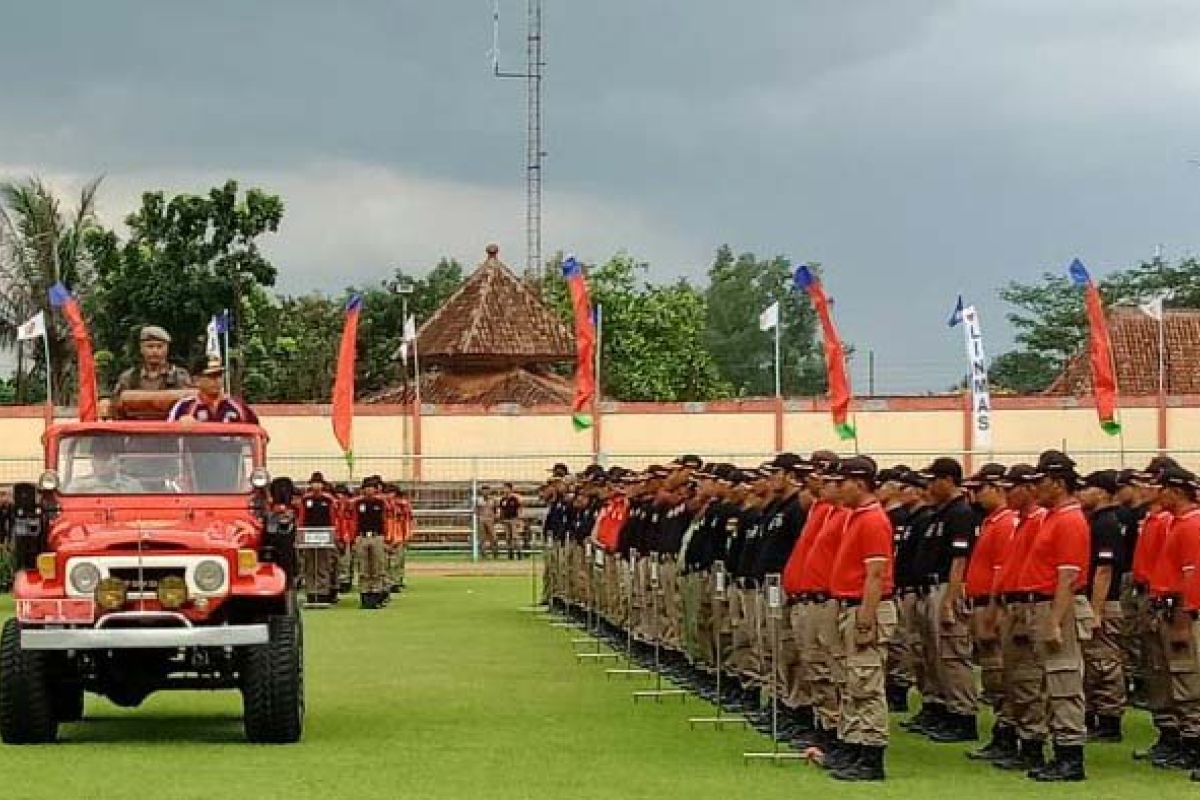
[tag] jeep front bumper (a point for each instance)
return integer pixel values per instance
(142, 638)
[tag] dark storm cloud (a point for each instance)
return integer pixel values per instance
(917, 149)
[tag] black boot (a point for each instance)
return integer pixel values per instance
(1067, 766)
(930, 716)
(364, 600)
(868, 767)
(1185, 757)
(1107, 730)
(1170, 752)
(1165, 747)
(956, 728)
(1029, 755)
(897, 698)
(841, 756)
(1003, 744)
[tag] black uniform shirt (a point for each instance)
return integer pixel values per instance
(782, 529)
(672, 527)
(950, 535)
(696, 553)
(1107, 549)
(372, 513)
(908, 538)
(555, 524)
(752, 531)
(317, 510)
(1131, 518)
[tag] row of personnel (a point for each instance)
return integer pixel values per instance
(1062, 589)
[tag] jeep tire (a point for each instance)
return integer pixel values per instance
(68, 701)
(273, 684)
(26, 703)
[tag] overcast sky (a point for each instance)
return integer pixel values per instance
(916, 148)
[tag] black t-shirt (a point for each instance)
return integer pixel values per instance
(585, 520)
(673, 526)
(782, 529)
(753, 533)
(510, 507)
(555, 524)
(1107, 549)
(633, 531)
(1131, 518)
(950, 535)
(372, 513)
(318, 510)
(908, 534)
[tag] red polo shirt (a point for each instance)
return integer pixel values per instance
(991, 548)
(1028, 525)
(610, 520)
(793, 571)
(867, 537)
(1176, 555)
(819, 563)
(1149, 544)
(1064, 540)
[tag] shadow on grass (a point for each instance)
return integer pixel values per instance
(155, 729)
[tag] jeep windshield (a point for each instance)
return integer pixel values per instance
(154, 463)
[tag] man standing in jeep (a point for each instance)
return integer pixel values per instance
(156, 372)
(211, 404)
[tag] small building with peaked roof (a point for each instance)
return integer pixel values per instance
(1135, 346)
(493, 341)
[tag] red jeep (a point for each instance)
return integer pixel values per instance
(149, 558)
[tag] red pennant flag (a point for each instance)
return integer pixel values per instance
(835, 353)
(343, 387)
(1104, 379)
(61, 298)
(585, 345)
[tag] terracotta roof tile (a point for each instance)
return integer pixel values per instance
(528, 387)
(1135, 344)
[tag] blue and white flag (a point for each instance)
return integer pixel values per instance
(981, 395)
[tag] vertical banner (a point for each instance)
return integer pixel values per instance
(835, 353)
(1104, 379)
(343, 387)
(977, 379)
(585, 345)
(61, 298)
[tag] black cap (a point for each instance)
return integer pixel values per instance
(689, 460)
(1128, 477)
(1057, 464)
(1106, 479)
(823, 460)
(1177, 477)
(783, 461)
(372, 481)
(911, 478)
(887, 475)
(855, 467)
(1019, 474)
(944, 467)
(990, 473)
(316, 477)
(1159, 463)
(560, 471)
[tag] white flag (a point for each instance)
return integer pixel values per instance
(34, 328)
(770, 318)
(403, 353)
(1153, 308)
(410, 329)
(212, 348)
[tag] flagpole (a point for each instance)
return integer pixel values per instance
(778, 379)
(49, 383)
(1162, 379)
(225, 343)
(596, 393)
(416, 412)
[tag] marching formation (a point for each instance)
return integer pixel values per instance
(1072, 596)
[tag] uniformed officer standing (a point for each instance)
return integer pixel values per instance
(155, 373)
(317, 510)
(370, 513)
(1104, 669)
(862, 583)
(912, 588)
(509, 513)
(400, 531)
(554, 531)
(1055, 575)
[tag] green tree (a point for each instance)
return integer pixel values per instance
(41, 243)
(739, 290)
(1051, 325)
(653, 335)
(184, 260)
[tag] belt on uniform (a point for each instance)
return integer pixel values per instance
(855, 602)
(813, 597)
(370, 535)
(1166, 603)
(1027, 597)
(979, 602)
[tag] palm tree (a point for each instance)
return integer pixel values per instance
(42, 244)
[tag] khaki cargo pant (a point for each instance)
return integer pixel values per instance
(1062, 670)
(951, 639)
(1024, 704)
(372, 559)
(899, 660)
(670, 611)
(864, 711)
(347, 564)
(743, 617)
(820, 647)
(1157, 673)
(1183, 667)
(926, 613)
(797, 691)
(548, 566)
(692, 586)
(911, 609)
(319, 568)
(397, 563)
(1104, 664)
(989, 655)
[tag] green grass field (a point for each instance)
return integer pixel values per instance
(451, 692)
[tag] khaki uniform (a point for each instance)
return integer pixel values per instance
(1103, 664)
(372, 557)
(989, 655)
(864, 712)
(952, 641)
(793, 672)
(820, 647)
(1062, 670)
(1023, 704)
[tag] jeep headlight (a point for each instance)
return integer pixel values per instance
(84, 577)
(260, 479)
(48, 482)
(172, 592)
(209, 575)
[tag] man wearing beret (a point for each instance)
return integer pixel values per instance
(155, 372)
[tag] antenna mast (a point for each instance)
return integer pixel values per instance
(532, 76)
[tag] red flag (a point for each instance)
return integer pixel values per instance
(61, 298)
(343, 387)
(835, 354)
(1104, 379)
(585, 345)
